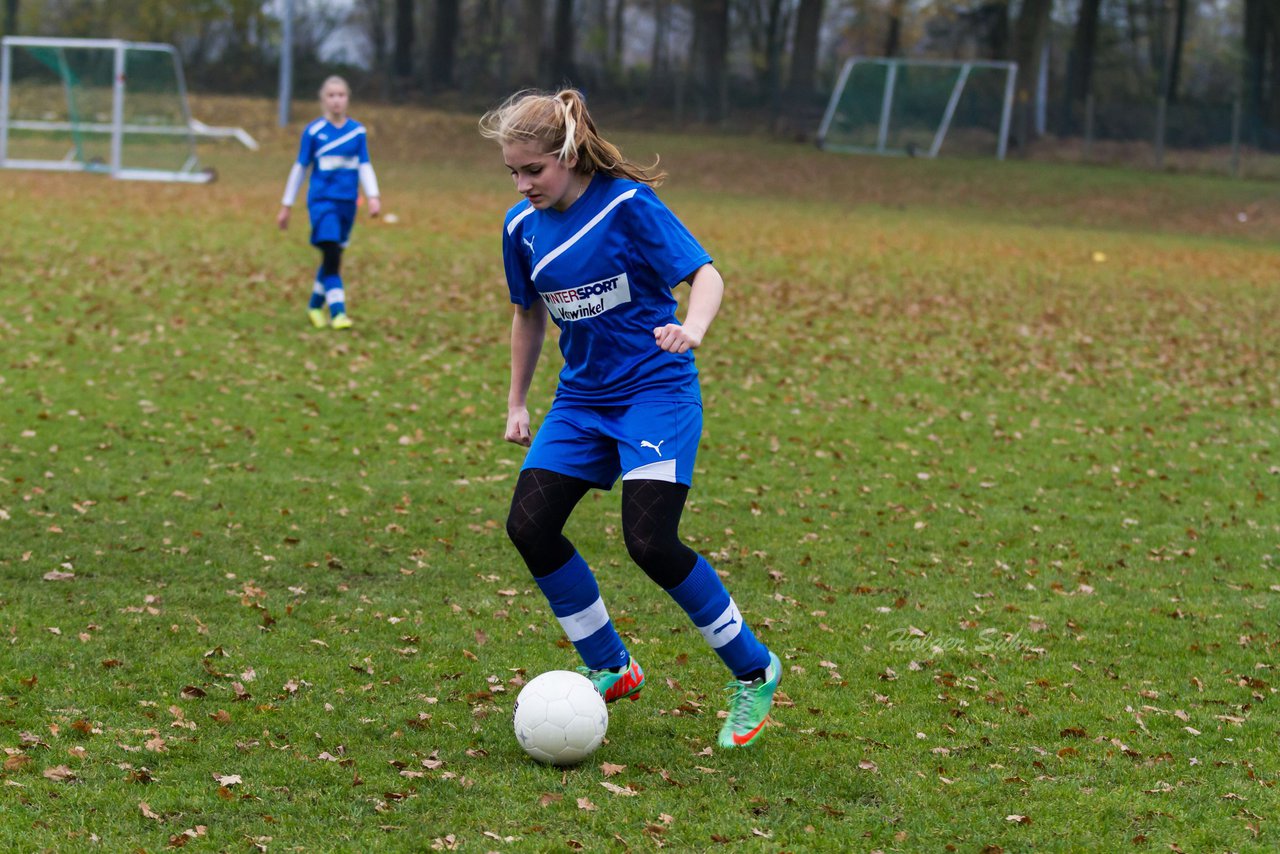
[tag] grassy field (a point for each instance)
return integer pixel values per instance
(991, 459)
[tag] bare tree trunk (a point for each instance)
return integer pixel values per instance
(444, 41)
(995, 40)
(1080, 62)
(775, 34)
(893, 42)
(563, 67)
(1272, 116)
(402, 57)
(615, 41)
(1029, 34)
(1262, 67)
(710, 57)
(528, 53)
(1254, 57)
(1175, 52)
(804, 63)
(658, 59)
(377, 12)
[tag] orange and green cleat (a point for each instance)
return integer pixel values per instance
(617, 684)
(749, 704)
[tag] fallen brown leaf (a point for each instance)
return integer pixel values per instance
(60, 774)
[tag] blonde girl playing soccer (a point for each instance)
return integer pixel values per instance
(591, 247)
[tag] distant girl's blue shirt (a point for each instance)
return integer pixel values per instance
(336, 153)
(605, 269)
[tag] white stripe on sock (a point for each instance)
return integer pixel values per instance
(586, 622)
(335, 295)
(723, 628)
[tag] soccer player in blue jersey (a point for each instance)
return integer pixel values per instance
(593, 248)
(336, 150)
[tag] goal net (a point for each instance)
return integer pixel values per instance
(915, 106)
(99, 105)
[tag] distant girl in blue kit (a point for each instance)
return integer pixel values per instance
(335, 145)
(593, 248)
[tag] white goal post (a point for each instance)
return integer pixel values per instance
(909, 106)
(100, 105)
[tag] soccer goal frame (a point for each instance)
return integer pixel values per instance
(893, 71)
(115, 129)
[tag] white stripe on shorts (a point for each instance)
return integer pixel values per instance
(663, 470)
(586, 622)
(723, 628)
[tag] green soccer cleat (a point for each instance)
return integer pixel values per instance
(318, 317)
(617, 684)
(341, 321)
(749, 705)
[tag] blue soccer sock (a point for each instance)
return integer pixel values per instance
(334, 294)
(575, 600)
(704, 598)
(317, 292)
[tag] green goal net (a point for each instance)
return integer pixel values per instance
(99, 105)
(914, 107)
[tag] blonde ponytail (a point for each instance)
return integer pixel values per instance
(570, 144)
(560, 124)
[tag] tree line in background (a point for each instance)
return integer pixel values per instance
(715, 60)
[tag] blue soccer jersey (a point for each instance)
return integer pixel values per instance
(605, 269)
(336, 153)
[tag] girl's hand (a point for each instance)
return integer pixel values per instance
(518, 427)
(375, 206)
(675, 338)
(282, 218)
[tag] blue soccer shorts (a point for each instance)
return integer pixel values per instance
(331, 221)
(642, 441)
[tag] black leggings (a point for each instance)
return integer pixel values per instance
(331, 262)
(651, 512)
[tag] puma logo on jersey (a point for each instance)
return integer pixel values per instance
(645, 443)
(528, 241)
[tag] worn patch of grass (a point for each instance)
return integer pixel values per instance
(990, 460)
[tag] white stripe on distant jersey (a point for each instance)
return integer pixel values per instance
(663, 470)
(595, 220)
(332, 162)
(315, 128)
(586, 622)
(328, 146)
(511, 226)
(723, 628)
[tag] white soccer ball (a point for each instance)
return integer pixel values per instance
(560, 718)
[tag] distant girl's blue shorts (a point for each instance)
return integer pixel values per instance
(331, 221)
